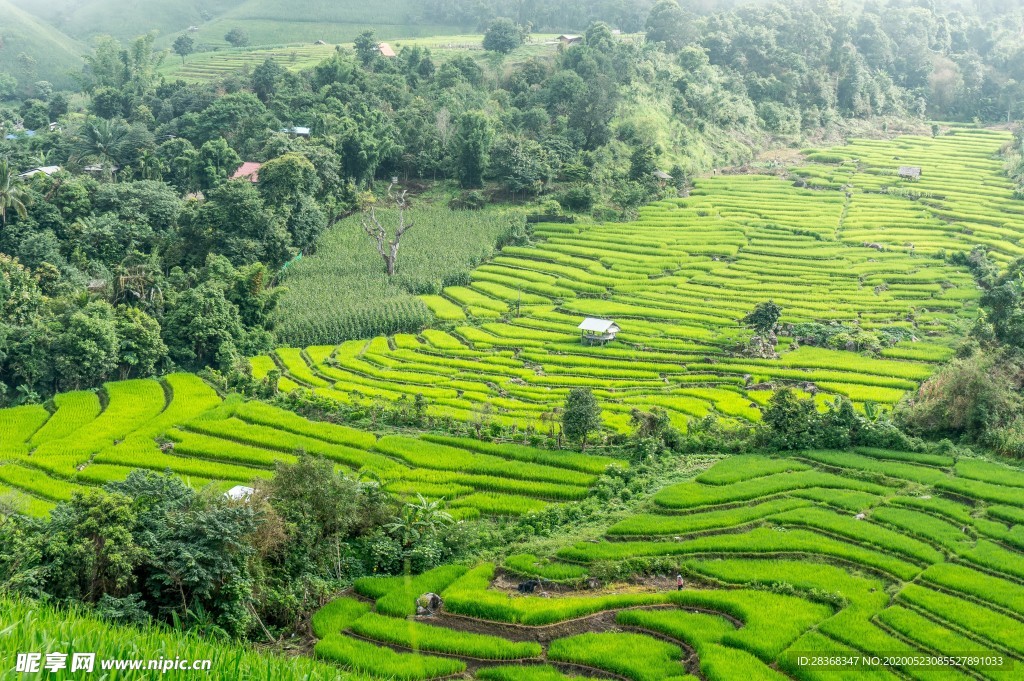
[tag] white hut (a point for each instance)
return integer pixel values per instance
(597, 331)
(239, 493)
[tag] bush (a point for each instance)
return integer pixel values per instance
(578, 197)
(975, 397)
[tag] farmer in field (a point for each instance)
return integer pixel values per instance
(679, 582)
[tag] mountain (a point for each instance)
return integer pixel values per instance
(124, 19)
(273, 22)
(56, 55)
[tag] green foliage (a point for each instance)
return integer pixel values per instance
(503, 35)
(581, 416)
(977, 397)
(765, 318)
(475, 138)
(183, 46)
(237, 37)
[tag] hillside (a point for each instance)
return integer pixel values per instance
(127, 19)
(859, 268)
(90, 439)
(271, 22)
(56, 55)
(784, 558)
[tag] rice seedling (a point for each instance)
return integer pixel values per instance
(383, 662)
(418, 636)
(635, 656)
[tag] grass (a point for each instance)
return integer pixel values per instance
(34, 627)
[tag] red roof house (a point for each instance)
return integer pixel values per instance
(249, 171)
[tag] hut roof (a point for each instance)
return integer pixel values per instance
(598, 325)
(249, 170)
(239, 492)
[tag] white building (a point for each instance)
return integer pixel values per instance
(598, 330)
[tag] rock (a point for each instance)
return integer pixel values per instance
(430, 602)
(529, 586)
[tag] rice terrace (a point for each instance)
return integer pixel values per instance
(648, 340)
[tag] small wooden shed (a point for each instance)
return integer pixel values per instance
(386, 51)
(909, 172)
(597, 331)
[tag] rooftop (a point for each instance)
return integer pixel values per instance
(239, 492)
(249, 170)
(598, 325)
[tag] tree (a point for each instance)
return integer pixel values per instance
(265, 78)
(183, 46)
(581, 416)
(366, 47)
(140, 348)
(375, 229)
(643, 163)
(13, 197)
(85, 350)
(8, 86)
(503, 35)
(234, 221)
(764, 319)
(35, 114)
(284, 179)
(181, 163)
(215, 163)
(599, 36)
(202, 327)
(475, 138)
(237, 37)
(668, 23)
(520, 164)
(106, 142)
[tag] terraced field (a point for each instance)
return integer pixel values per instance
(209, 66)
(180, 424)
(856, 247)
(214, 65)
(869, 553)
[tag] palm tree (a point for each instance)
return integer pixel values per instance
(12, 195)
(102, 141)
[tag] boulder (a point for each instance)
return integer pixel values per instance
(429, 602)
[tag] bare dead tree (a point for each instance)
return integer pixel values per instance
(374, 227)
